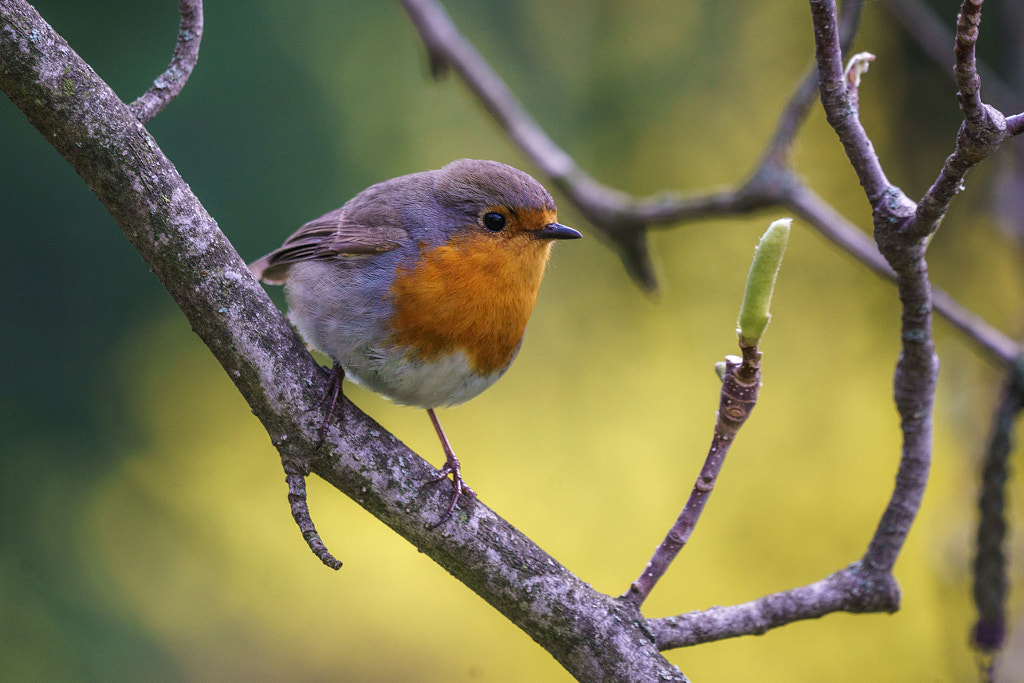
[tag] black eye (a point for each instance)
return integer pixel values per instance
(494, 221)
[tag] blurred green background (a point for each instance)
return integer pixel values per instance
(144, 527)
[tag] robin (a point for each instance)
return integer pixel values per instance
(419, 288)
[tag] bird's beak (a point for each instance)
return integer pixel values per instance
(556, 231)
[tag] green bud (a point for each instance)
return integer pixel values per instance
(754, 313)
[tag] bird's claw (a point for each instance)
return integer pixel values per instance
(330, 397)
(461, 489)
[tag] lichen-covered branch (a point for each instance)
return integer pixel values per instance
(855, 589)
(186, 53)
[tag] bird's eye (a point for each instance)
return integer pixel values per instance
(494, 221)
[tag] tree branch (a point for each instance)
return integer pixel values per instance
(605, 208)
(931, 34)
(917, 367)
(898, 256)
(839, 109)
(867, 585)
(186, 53)
(740, 387)
(990, 580)
(855, 589)
(983, 131)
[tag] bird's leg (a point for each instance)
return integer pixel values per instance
(452, 467)
(330, 397)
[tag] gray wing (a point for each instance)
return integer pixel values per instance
(362, 226)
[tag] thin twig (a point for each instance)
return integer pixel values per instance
(990, 579)
(933, 36)
(857, 589)
(295, 477)
(741, 383)
(738, 397)
(982, 132)
(965, 69)
(186, 53)
(841, 115)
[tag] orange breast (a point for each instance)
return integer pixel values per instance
(473, 294)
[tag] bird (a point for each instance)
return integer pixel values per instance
(420, 287)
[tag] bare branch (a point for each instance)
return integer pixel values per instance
(934, 37)
(867, 585)
(917, 367)
(838, 105)
(966, 67)
(738, 397)
(983, 131)
(809, 206)
(608, 209)
(295, 477)
(856, 588)
(99, 136)
(990, 581)
(186, 53)
(624, 219)
(741, 384)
